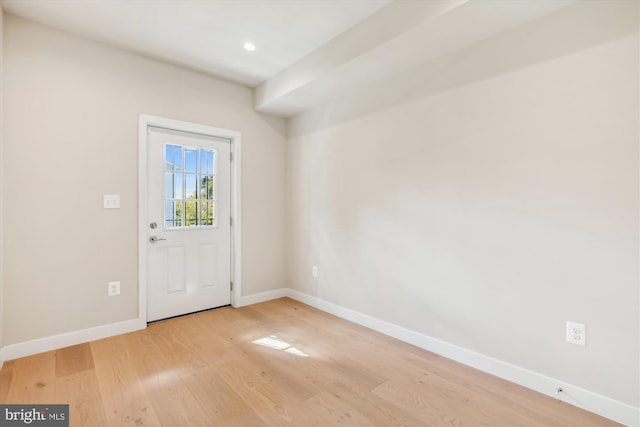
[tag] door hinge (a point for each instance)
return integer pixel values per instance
(231, 285)
(231, 221)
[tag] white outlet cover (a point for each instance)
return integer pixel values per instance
(113, 288)
(112, 201)
(314, 271)
(576, 333)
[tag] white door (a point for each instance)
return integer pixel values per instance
(188, 230)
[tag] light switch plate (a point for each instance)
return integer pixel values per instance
(112, 201)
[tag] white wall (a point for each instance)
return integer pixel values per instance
(487, 198)
(71, 111)
(1, 180)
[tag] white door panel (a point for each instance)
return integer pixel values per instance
(189, 232)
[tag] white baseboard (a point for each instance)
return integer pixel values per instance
(262, 297)
(585, 399)
(27, 348)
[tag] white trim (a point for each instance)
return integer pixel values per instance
(236, 197)
(142, 217)
(236, 214)
(585, 399)
(27, 348)
(263, 296)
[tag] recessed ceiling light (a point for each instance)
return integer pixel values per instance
(249, 46)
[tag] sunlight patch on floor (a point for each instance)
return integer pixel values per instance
(277, 343)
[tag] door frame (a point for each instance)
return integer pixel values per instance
(144, 122)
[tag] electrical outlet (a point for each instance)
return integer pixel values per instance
(314, 271)
(112, 201)
(113, 288)
(576, 333)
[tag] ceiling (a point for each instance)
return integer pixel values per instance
(307, 51)
(206, 35)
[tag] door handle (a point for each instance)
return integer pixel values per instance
(156, 238)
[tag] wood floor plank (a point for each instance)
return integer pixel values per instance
(443, 405)
(239, 325)
(176, 351)
(223, 405)
(123, 391)
(343, 405)
(329, 409)
(33, 380)
(172, 401)
(328, 373)
(82, 392)
(6, 378)
(278, 363)
(197, 332)
(268, 372)
(74, 359)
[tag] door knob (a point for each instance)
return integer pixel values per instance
(156, 238)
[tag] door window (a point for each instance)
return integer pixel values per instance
(190, 187)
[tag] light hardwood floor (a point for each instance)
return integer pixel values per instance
(206, 370)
